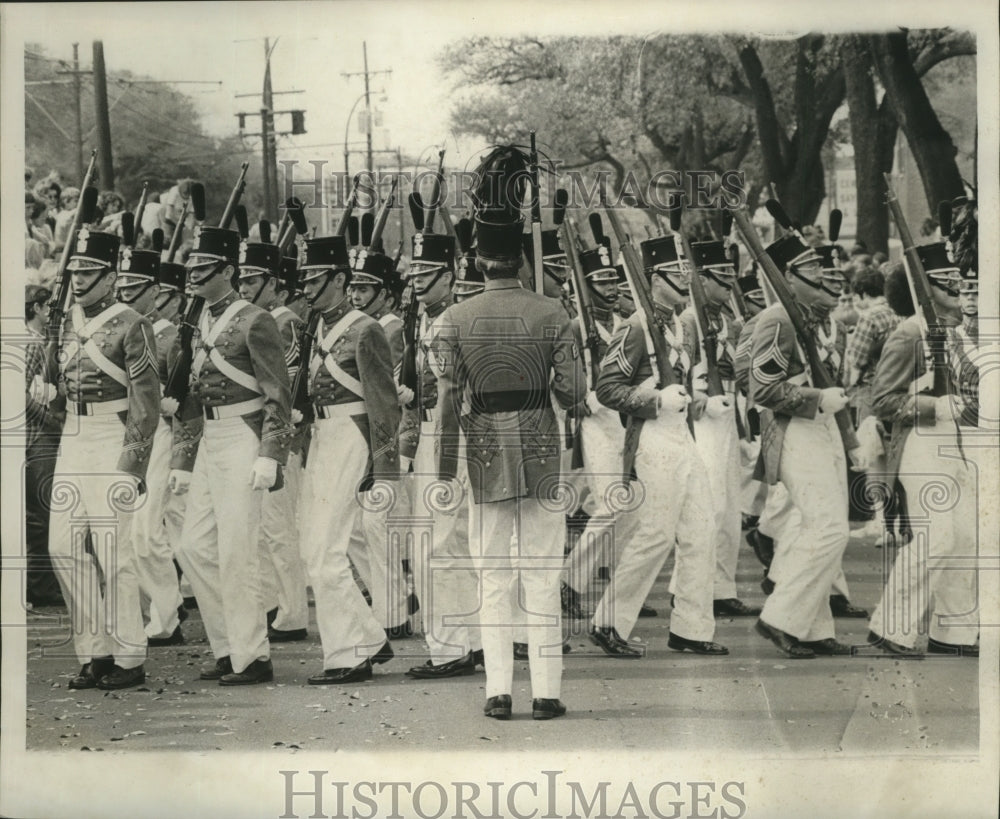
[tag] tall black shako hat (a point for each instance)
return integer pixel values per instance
(789, 250)
(371, 267)
(552, 248)
(288, 272)
(214, 244)
(172, 276)
(431, 251)
(660, 250)
(497, 196)
(597, 265)
(712, 256)
(260, 258)
(94, 250)
(323, 254)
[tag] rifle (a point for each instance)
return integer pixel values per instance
(234, 197)
(656, 344)
(139, 210)
(536, 219)
(435, 195)
(585, 315)
(409, 377)
(708, 335)
(920, 288)
(821, 377)
(88, 203)
(345, 217)
(295, 212)
(383, 216)
(175, 238)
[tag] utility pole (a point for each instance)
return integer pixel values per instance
(103, 120)
(369, 120)
(77, 73)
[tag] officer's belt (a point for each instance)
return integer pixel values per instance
(223, 411)
(509, 401)
(340, 410)
(97, 407)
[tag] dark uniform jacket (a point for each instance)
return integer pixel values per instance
(500, 358)
(778, 382)
(125, 343)
(362, 353)
(251, 343)
(426, 398)
(626, 370)
(898, 402)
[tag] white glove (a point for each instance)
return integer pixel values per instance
(179, 481)
(673, 398)
(264, 473)
(592, 403)
(296, 416)
(947, 408)
(717, 405)
(168, 406)
(404, 394)
(41, 391)
(832, 399)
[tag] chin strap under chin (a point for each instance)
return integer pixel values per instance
(435, 280)
(364, 307)
(100, 277)
(137, 296)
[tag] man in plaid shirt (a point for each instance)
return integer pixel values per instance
(865, 344)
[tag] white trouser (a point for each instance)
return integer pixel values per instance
(603, 438)
(672, 507)
(376, 554)
(281, 562)
(89, 494)
(220, 547)
(536, 568)
(446, 584)
(753, 493)
(814, 471)
(338, 455)
(154, 551)
(935, 570)
(718, 444)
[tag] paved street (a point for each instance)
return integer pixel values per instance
(754, 700)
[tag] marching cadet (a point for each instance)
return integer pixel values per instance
(926, 445)
(107, 358)
(603, 438)
(231, 435)
(354, 442)
(716, 436)
(263, 281)
(372, 292)
(497, 357)
(799, 434)
(660, 452)
(446, 585)
(138, 284)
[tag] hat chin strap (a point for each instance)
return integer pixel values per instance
(216, 270)
(441, 271)
(138, 295)
(943, 285)
(608, 300)
(717, 280)
(814, 285)
(364, 307)
(663, 275)
(104, 272)
(329, 273)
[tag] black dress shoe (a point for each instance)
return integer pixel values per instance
(571, 606)
(190, 603)
(697, 646)
(333, 676)
(176, 638)
(272, 615)
(400, 632)
(520, 651)
(613, 644)
(383, 655)
(603, 573)
(762, 545)
(259, 671)
(498, 707)
(547, 709)
(478, 658)
(91, 673)
(954, 649)
(749, 522)
(287, 635)
(893, 647)
(222, 667)
(841, 607)
(412, 604)
(122, 678)
(182, 613)
(828, 647)
(787, 644)
(647, 611)
(453, 668)
(733, 607)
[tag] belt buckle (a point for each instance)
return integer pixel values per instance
(82, 408)
(212, 413)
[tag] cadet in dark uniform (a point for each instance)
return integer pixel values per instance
(230, 438)
(282, 574)
(354, 441)
(658, 446)
(107, 360)
(497, 357)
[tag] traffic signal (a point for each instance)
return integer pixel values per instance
(243, 121)
(298, 122)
